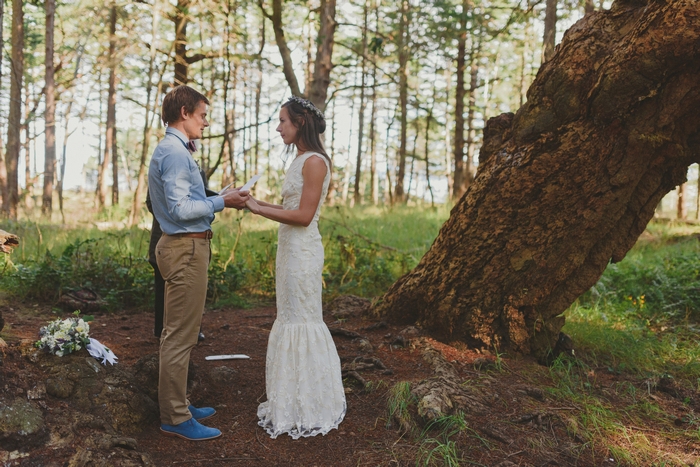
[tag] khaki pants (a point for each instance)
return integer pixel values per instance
(183, 262)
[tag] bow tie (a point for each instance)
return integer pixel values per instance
(191, 146)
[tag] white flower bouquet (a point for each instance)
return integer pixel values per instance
(61, 337)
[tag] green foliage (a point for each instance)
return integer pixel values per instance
(658, 280)
(641, 315)
(366, 250)
(639, 321)
(93, 263)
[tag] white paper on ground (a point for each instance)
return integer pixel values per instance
(226, 357)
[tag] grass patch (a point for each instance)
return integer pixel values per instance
(640, 323)
(366, 250)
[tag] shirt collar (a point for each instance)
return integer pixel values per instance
(180, 135)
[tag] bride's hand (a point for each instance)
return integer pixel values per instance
(253, 205)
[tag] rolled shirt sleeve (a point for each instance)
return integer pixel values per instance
(176, 188)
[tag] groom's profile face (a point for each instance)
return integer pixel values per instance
(196, 122)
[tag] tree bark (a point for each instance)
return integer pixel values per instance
(550, 30)
(14, 123)
(324, 55)
(567, 184)
(49, 114)
(589, 7)
(180, 21)
(278, 28)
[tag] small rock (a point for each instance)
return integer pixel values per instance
(535, 393)
(365, 346)
(59, 386)
(411, 331)
(92, 363)
(37, 392)
(223, 374)
(21, 426)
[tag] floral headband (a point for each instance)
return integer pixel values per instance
(307, 105)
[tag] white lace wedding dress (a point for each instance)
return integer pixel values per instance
(305, 395)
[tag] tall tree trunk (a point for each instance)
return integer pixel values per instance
(697, 197)
(448, 146)
(324, 55)
(358, 162)
(388, 192)
(461, 181)
(550, 30)
(14, 123)
(258, 94)
(278, 28)
(567, 184)
(49, 114)
(428, 121)
(28, 181)
(373, 176)
(149, 114)
(230, 129)
(471, 111)
(399, 195)
(62, 168)
(681, 211)
(111, 134)
(3, 168)
(102, 154)
(181, 20)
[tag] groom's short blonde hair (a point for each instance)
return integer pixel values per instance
(176, 99)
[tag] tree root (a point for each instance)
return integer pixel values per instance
(444, 394)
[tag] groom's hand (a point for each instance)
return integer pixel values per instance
(235, 198)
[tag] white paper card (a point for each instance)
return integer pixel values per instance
(226, 357)
(250, 183)
(225, 188)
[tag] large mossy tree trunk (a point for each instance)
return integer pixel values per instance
(566, 185)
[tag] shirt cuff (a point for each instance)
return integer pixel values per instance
(218, 202)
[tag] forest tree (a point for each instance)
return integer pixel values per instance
(567, 184)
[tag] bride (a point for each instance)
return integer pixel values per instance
(305, 395)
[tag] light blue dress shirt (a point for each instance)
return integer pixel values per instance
(177, 191)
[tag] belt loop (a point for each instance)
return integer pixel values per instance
(210, 234)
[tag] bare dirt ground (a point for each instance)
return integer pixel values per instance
(519, 422)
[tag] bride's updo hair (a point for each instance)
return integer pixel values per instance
(310, 124)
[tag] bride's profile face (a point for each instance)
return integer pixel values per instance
(286, 128)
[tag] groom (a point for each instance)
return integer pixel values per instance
(185, 214)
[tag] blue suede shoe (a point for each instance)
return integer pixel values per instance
(191, 430)
(201, 413)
